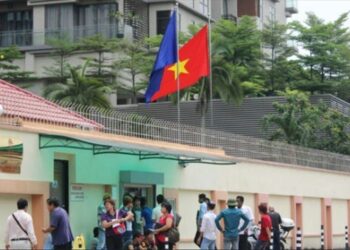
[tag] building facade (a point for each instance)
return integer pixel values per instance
(47, 150)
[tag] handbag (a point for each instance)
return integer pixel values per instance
(120, 228)
(173, 235)
(21, 227)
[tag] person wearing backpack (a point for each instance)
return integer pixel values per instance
(114, 226)
(166, 223)
(19, 231)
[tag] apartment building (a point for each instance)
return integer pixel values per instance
(29, 24)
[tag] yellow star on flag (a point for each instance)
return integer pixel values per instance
(182, 68)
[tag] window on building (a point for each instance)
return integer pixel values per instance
(163, 17)
(16, 28)
(225, 8)
(204, 6)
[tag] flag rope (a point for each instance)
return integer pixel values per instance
(178, 68)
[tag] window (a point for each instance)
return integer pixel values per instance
(163, 17)
(204, 6)
(16, 28)
(225, 8)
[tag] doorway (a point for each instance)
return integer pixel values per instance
(60, 186)
(147, 191)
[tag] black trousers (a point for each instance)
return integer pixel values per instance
(67, 246)
(161, 246)
(276, 239)
(114, 242)
(243, 242)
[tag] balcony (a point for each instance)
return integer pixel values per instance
(28, 38)
(230, 17)
(291, 7)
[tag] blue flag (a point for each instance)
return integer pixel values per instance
(167, 55)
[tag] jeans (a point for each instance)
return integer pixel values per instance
(101, 240)
(231, 243)
(276, 239)
(114, 242)
(127, 239)
(208, 244)
(243, 242)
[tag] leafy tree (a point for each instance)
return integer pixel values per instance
(134, 63)
(295, 120)
(8, 69)
(277, 54)
(80, 89)
(100, 66)
(63, 48)
(327, 56)
(317, 126)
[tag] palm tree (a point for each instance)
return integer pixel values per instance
(80, 89)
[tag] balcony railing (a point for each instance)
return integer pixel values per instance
(291, 6)
(24, 38)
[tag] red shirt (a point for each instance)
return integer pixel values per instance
(265, 224)
(162, 221)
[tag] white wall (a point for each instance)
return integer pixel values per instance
(339, 221)
(311, 222)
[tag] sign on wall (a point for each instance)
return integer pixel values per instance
(77, 192)
(11, 151)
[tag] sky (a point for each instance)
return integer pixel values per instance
(328, 10)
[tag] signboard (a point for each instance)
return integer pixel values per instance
(77, 192)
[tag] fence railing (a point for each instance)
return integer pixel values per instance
(129, 124)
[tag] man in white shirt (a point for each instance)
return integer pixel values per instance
(156, 212)
(208, 229)
(243, 236)
(20, 234)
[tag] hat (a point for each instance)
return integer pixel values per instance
(232, 203)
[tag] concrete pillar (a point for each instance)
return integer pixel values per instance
(259, 198)
(220, 198)
(38, 25)
(326, 220)
(297, 217)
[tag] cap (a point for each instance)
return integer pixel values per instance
(232, 203)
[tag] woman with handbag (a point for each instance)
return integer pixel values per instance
(114, 225)
(166, 222)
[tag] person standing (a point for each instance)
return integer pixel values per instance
(101, 234)
(156, 212)
(243, 236)
(146, 214)
(126, 212)
(276, 221)
(59, 228)
(166, 222)
(137, 213)
(203, 207)
(19, 230)
(110, 219)
(208, 229)
(232, 216)
(265, 231)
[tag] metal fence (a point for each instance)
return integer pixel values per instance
(119, 123)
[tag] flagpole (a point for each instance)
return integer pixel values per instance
(178, 69)
(210, 67)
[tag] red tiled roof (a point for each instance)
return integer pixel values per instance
(22, 103)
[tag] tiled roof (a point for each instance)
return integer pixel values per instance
(22, 103)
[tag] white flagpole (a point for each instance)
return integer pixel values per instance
(178, 69)
(210, 66)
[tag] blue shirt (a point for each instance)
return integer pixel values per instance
(232, 217)
(60, 221)
(147, 215)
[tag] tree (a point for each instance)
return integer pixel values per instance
(295, 120)
(277, 57)
(63, 47)
(327, 55)
(80, 89)
(100, 66)
(301, 123)
(134, 63)
(8, 69)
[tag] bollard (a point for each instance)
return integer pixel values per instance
(271, 240)
(299, 239)
(166, 243)
(346, 238)
(322, 237)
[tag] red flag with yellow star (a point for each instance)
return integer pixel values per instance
(193, 64)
